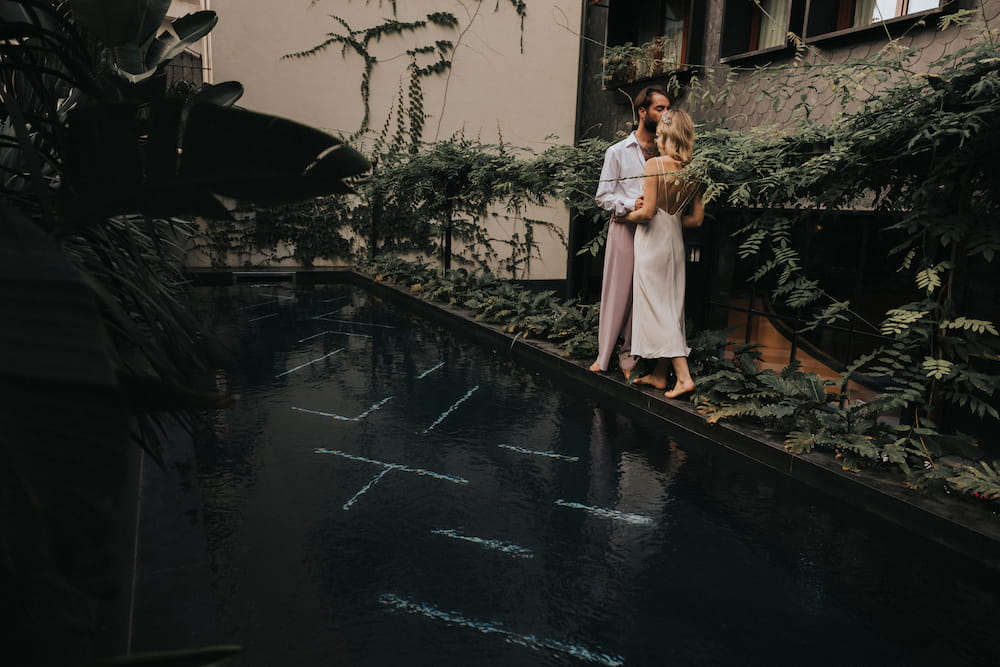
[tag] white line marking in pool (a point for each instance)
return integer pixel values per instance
(292, 370)
(323, 316)
(639, 519)
(277, 299)
(336, 298)
(429, 370)
(323, 333)
(364, 488)
(451, 409)
(529, 641)
(506, 547)
(263, 317)
(553, 455)
(364, 324)
(373, 408)
(394, 466)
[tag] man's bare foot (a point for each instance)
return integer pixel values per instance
(595, 367)
(653, 381)
(627, 372)
(679, 389)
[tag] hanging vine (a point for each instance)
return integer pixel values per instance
(359, 42)
(415, 111)
(522, 11)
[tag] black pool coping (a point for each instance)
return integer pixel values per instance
(953, 522)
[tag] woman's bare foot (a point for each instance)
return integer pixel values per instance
(679, 389)
(627, 372)
(653, 380)
(596, 367)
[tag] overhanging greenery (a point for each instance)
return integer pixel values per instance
(98, 342)
(915, 146)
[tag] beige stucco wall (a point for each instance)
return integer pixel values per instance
(493, 89)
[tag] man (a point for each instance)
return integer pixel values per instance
(619, 192)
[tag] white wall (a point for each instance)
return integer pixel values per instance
(492, 90)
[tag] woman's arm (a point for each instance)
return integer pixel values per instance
(697, 214)
(649, 194)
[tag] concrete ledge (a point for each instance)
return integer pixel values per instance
(309, 275)
(959, 525)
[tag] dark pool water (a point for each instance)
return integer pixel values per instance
(386, 493)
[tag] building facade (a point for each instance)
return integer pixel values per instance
(691, 47)
(722, 41)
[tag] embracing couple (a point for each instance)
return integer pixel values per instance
(642, 292)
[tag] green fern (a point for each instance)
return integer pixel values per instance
(982, 480)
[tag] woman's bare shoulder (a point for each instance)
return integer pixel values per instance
(671, 163)
(662, 164)
(659, 164)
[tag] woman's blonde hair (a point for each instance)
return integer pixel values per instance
(675, 135)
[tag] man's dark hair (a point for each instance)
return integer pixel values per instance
(645, 97)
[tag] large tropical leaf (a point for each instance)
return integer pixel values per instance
(263, 159)
(116, 22)
(224, 94)
(129, 62)
(124, 157)
(179, 35)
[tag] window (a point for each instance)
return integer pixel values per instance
(831, 16)
(750, 27)
(867, 12)
(649, 38)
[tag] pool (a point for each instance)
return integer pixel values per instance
(386, 493)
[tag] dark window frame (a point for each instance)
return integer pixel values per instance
(617, 33)
(735, 14)
(813, 34)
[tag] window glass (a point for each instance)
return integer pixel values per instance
(831, 16)
(867, 12)
(883, 9)
(773, 23)
(654, 34)
(661, 25)
(673, 31)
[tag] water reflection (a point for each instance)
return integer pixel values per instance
(328, 547)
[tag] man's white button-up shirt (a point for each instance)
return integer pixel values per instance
(621, 176)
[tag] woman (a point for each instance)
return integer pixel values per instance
(658, 278)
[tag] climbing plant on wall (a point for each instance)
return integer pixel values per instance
(386, 215)
(361, 41)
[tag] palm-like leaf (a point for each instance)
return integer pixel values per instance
(115, 22)
(223, 94)
(123, 158)
(180, 34)
(96, 330)
(129, 62)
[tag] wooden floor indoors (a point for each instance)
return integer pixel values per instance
(776, 348)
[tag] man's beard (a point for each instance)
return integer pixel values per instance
(650, 125)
